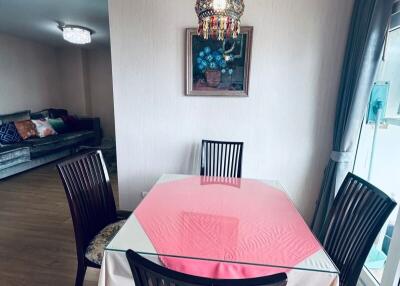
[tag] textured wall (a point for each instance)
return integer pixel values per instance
(36, 76)
(101, 90)
(29, 76)
(86, 84)
(286, 123)
(74, 85)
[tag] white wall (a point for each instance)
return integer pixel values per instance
(101, 88)
(286, 123)
(35, 76)
(74, 91)
(86, 84)
(29, 76)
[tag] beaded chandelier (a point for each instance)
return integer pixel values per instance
(219, 18)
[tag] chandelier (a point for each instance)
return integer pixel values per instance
(76, 34)
(219, 18)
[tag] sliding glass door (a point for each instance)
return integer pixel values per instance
(378, 158)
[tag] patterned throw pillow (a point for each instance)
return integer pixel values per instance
(44, 128)
(26, 129)
(9, 134)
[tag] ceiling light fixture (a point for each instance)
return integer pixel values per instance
(76, 34)
(219, 18)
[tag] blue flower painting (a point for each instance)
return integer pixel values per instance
(219, 67)
(207, 60)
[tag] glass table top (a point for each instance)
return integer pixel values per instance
(199, 224)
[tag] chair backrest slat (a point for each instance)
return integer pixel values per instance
(145, 271)
(89, 195)
(221, 159)
(358, 213)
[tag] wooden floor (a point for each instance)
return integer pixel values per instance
(37, 245)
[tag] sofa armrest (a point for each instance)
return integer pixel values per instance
(91, 124)
(87, 123)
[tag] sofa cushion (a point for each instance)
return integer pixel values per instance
(56, 113)
(43, 146)
(9, 134)
(12, 155)
(18, 116)
(71, 122)
(49, 113)
(8, 147)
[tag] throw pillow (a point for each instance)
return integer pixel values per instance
(58, 125)
(9, 134)
(44, 128)
(26, 129)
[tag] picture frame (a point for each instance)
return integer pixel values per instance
(218, 68)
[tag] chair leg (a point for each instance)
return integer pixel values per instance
(80, 274)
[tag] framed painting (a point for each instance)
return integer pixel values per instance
(218, 68)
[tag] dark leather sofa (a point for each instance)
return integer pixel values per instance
(31, 153)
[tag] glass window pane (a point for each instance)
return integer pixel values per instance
(378, 155)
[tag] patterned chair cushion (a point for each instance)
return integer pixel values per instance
(95, 250)
(9, 134)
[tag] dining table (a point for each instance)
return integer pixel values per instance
(222, 228)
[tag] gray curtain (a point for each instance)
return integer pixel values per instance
(365, 43)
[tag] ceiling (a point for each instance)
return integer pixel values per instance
(38, 19)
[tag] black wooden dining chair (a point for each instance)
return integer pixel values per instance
(147, 273)
(92, 207)
(221, 159)
(358, 213)
(226, 181)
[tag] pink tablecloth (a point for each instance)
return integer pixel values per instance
(250, 222)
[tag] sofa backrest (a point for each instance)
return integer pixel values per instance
(49, 113)
(17, 116)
